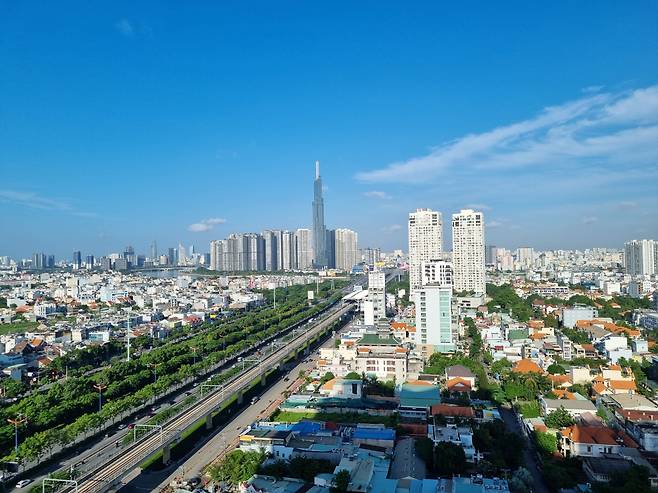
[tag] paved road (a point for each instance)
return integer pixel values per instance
(529, 453)
(405, 462)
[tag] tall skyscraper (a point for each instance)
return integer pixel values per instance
(288, 251)
(319, 230)
(490, 254)
(90, 262)
(425, 242)
(347, 250)
(171, 256)
(641, 257)
(330, 243)
(77, 260)
(304, 248)
(468, 251)
(271, 250)
(154, 251)
(525, 256)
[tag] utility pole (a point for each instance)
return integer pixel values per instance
(100, 387)
(155, 371)
(20, 419)
(275, 296)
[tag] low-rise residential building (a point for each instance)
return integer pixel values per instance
(593, 441)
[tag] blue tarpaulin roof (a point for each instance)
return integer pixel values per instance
(374, 434)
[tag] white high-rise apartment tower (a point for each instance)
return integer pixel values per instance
(641, 257)
(303, 239)
(346, 249)
(468, 251)
(425, 242)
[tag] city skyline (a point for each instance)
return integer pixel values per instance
(176, 128)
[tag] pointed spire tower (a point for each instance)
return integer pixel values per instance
(319, 230)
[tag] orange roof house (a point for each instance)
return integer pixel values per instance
(527, 366)
(458, 385)
(597, 435)
(453, 411)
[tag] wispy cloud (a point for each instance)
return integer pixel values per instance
(33, 200)
(392, 228)
(602, 129)
(478, 207)
(205, 224)
(376, 194)
(628, 204)
(494, 224)
(591, 89)
(590, 219)
(125, 27)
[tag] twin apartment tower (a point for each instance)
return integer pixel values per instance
(434, 275)
(275, 250)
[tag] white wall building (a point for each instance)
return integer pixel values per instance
(425, 242)
(304, 249)
(434, 307)
(468, 251)
(641, 257)
(346, 249)
(377, 293)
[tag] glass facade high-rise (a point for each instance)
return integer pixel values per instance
(319, 230)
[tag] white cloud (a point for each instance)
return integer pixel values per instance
(628, 204)
(392, 228)
(493, 224)
(590, 219)
(591, 89)
(32, 200)
(205, 224)
(376, 194)
(478, 207)
(609, 129)
(125, 27)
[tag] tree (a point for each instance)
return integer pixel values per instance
(449, 459)
(327, 376)
(521, 481)
(341, 481)
(353, 376)
(546, 442)
(559, 419)
(237, 466)
(555, 369)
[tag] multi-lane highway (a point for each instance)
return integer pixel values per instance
(103, 476)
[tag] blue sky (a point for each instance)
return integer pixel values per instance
(124, 122)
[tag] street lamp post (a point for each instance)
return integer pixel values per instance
(100, 387)
(194, 350)
(20, 419)
(155, 371)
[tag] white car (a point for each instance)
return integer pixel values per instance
(23, 483)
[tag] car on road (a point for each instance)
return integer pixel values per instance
(131, 426)
(23, 483)
(287, 379)
(254, 400)
(121, 427)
